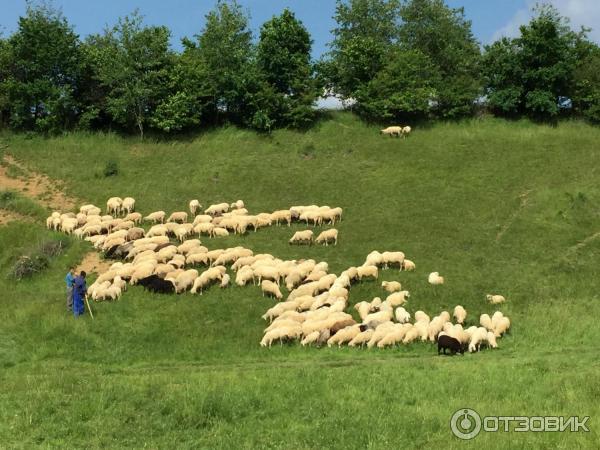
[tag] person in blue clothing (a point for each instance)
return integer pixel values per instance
(70, 279)
(79, 291)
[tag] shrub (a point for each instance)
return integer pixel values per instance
(111, 169)
(39, 259)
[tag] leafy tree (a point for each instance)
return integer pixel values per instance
(283, 57)
(365, 31)
(586, 92)
(190, 98)
(41, 71)
(132, 63)
(4, 78)
(225, 47)
(528, 74)
(444, 35)
(402, 90)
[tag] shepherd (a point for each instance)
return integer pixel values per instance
(70, 280)
(79, 291)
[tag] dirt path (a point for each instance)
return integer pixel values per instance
(36, 186)
(92, 263)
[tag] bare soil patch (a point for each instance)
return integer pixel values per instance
(92, 263)
(34, 185)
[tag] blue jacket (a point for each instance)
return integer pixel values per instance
(70, 280)
(79, 287)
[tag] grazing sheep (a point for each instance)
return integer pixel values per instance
(179, 216)
(194, 206)
(219, 232)
(460, 314)
(410, 335)
(238, 204)
(495, 299)
(395, 336)
(406, 131)
(269, 287)
(280, 333)
(391, 286)
(302, 237)
(367, 271)
(217, 209)
(158, 216)
(398, 298)
(478, 337)
(390, 258)
(225, 280)
(135, 217)
(402, 315)
(392, 131)
(450, 343)
(486, 322)
(113, 205)
(361, 338)
(407, 265)
(185, 280)
(380, 332)
(282, 215)
(128, 205)
(491, 339)
(502, 326)
(326, 236)
(435, 279)
(344, 335)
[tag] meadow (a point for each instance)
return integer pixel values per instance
(494, 206)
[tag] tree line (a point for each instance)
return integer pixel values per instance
(396, 60)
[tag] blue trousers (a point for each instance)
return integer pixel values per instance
(78, 305)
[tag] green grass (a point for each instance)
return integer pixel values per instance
(187, 372)
(15, 202)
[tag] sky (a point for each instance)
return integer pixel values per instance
(491, 19)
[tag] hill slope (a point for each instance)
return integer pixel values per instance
(493, 206)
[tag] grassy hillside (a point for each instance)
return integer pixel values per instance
(494, 206)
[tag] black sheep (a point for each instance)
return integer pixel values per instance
(154, 283)
(447, 342)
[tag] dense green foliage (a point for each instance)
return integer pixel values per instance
(398, 61)
(467, 200)
(549, 62)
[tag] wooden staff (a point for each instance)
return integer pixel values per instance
(88, 305)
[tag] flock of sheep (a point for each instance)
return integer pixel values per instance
(314, 311)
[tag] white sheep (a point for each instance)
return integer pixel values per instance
(495, 299)
(178, 216)
(402, 315)
(194, 206)
(128, 205)
(460, 314)
(326, 236)
(406, 131)
(367, 271)
(392, 131)
(301, 237)
(435, 279)
(157, 216)
(113, 205)
(486, 322)
(398, 298)
(269, 287)
(408, 265)
(391, 286)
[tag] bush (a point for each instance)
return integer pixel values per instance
(111, 169)
(28, 266)
(39, 260)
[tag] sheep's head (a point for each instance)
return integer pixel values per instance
(488, 297)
